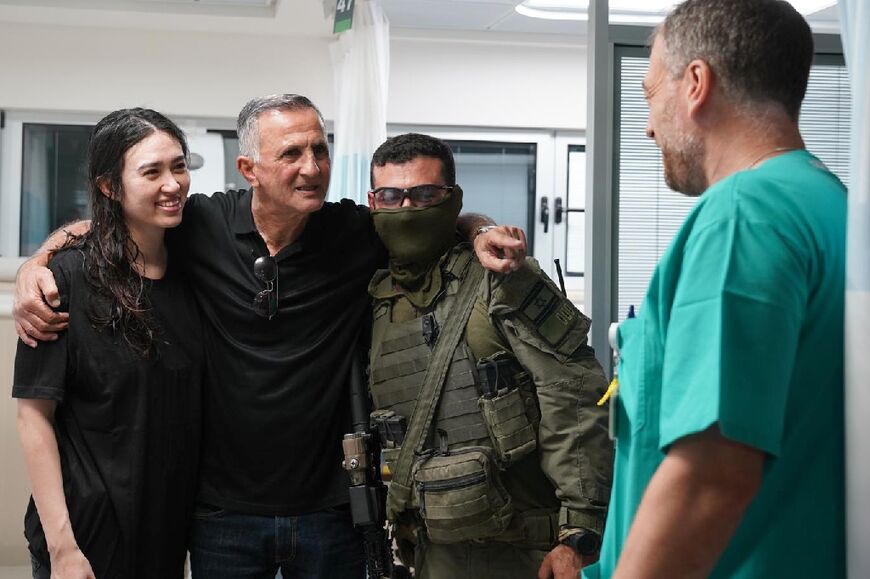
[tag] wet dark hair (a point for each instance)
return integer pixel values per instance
(403, 148)
(120, 302)
(760, 50)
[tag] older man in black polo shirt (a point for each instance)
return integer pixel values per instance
(281, 278)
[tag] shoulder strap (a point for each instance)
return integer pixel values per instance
(442, 355)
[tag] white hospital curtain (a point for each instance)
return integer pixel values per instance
(855, 31)
(361, 65)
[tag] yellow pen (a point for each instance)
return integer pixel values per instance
(611, 388)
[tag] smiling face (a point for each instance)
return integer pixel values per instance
(292, 172)
(155, 183)
(682, 149)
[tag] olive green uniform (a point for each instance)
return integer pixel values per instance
(564, 481)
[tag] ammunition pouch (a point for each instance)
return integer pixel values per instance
(512, 435)
(508, 408)
(460, 496)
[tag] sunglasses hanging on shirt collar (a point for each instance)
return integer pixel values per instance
(266, 300)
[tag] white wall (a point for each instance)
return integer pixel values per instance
(434, 81)
(506, 83)
(202, 74)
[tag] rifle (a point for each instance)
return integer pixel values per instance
(368, 493)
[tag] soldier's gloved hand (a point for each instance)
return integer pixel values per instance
(562, 562)
(501, 249)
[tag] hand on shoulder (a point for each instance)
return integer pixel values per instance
(36, 294)
(501, 248)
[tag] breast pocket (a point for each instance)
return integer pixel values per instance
(632, 391)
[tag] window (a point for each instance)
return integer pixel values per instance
(53, 180)
(233, 179)
(649, 213)
(45, 165)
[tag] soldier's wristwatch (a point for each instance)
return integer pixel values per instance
(484, 228)
(584, 543)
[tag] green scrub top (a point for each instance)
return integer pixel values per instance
(742, 326)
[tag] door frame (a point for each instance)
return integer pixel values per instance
(564, 140)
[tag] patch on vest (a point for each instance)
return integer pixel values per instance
(550, 313)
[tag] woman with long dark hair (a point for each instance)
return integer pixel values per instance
(108, 414)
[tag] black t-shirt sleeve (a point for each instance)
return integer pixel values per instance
(41, 372)
(361, 216)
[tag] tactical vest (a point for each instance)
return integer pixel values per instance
(450, 495)
(401, 353)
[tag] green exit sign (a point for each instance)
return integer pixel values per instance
(343, 15)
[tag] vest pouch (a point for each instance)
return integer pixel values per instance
(399, 499)
(460, 497)
(512, 435)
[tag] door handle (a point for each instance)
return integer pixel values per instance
(559, 210)
(545, 213)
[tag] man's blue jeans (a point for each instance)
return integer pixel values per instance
(321, 545)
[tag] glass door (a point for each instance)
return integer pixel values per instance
(506, 175)
(497, 179)
(569, 215)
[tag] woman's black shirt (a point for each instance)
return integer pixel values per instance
(127, 428)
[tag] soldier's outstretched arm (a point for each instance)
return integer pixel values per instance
(548, 335)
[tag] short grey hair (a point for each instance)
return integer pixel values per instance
(248, 131)
(760, 50)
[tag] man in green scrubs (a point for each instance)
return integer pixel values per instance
(729, 414)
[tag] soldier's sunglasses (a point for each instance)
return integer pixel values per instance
(266, 301)
(420, 196)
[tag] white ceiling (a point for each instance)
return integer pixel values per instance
(500, 16)
(306, 17)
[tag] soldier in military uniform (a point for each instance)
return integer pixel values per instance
(500, 458)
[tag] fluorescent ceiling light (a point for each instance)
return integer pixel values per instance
(630, 11)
